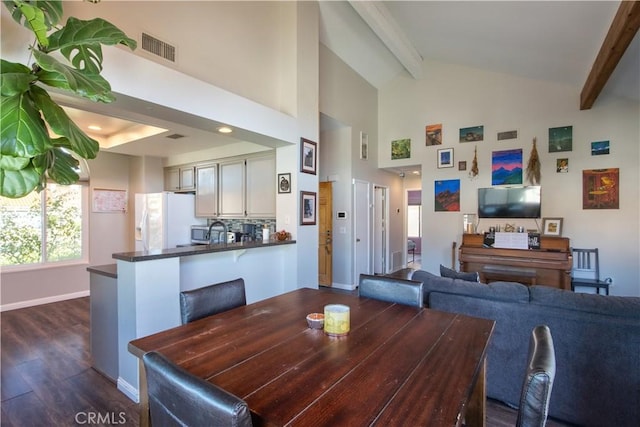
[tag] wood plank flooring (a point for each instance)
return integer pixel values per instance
(47, 379)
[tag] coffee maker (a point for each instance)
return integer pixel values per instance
(247, 233)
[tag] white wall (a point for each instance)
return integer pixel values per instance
(461, 97)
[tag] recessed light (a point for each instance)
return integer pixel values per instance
(95, 127)
(225, 129)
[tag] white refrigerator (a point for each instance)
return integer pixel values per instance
(164, 220)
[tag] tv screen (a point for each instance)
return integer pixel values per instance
(509, 202)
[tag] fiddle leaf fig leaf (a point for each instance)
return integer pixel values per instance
(15, 184)
(22, 131)
(57, 74)
(14, 163)
(80, 42)
(62, 125)
(52, 11)
(63, 168)
(34, 19)
(14, 78)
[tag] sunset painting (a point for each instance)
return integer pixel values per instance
(447, 194)
(506, 167)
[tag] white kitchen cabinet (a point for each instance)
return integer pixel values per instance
(207, 190)
(261, 186)
(180, 178)
(232, 189)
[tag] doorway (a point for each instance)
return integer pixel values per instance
(325, 234)
(380, 227)
(362, 229)
(414, 229)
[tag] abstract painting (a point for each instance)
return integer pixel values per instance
(447, 195)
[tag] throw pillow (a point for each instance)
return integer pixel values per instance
(452, 274)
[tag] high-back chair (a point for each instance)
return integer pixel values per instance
(586, 270)
(401, 291)
(178, 398)
(212, 299)
(538, 380)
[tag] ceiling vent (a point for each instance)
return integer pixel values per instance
(158, 47)
(175, 136)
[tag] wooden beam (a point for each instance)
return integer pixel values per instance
(622, 31)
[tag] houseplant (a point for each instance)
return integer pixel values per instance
(29, 155)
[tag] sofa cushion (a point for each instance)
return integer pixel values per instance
(591, 303)
(469, 277)
(496, 291)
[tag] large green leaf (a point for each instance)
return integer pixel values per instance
(57, 74)
(62, 125)
(14, 163)
(80, 42)
(63, 168)
(52, 11)
(15, 184)
(14, 78)
(35, 20)
(22, 131)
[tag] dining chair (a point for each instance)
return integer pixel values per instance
(206, 301)
(401, 291)
(538, 380)
(586, 270)
(178, 398)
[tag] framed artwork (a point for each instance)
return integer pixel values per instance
(284, 183)
(445, 158)
(433, 134)
(364, 146)
(307, 208)
(562, 165)
(507, 134)
(470, 134)
(447, 195)
(599, 147)
(506, 167)
(401, 149)
(462, 165)
(560, 139)
(601, 188)
(308, 156)
(552, 226)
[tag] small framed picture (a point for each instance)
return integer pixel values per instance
(364, 146)
(307, 208)
(462, 165)
(551, 226)
(445, 158)
(308, 156)
(284, 183)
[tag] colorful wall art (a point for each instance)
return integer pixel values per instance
(447, 195)
(600, 189)
(433, 134)
(401, 149)
(506, 167)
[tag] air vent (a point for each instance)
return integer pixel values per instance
(175, 136)
(158, 47)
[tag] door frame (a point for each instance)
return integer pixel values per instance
(360, 219)
(381, 228)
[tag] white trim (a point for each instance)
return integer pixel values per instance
(344, 286)
(40, 301)
(130, 391)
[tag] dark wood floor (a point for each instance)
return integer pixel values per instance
(47, 379)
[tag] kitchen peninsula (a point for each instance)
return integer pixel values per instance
(149, 284)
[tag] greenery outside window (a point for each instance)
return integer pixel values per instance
(45, 228)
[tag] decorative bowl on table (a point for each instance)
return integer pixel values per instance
(282, 235)
(315, 320)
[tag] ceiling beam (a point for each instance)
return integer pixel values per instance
(379, 19)
(622, 31)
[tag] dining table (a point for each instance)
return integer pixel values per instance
(397, 365)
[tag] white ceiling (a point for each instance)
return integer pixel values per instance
(555, 41)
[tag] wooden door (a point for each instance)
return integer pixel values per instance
(325, 235)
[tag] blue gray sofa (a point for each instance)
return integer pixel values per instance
(597, 344)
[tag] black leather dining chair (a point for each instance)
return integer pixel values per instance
(538, 380)
(178, 398)
(401, 291)
(206, 301)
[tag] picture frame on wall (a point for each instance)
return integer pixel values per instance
(364, 146)
(284, 183)
(552, 227)
(308, 156)
(307, 208)
(445, 158)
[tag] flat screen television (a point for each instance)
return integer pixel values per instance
(509, 202)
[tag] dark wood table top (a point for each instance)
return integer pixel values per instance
(398, 365)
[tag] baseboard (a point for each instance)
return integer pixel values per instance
(41, 301)
(343, 286)
(130, 391)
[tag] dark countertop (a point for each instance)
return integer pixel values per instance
(195, 250)
(109, 270)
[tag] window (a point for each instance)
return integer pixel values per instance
(44, 228)
(414, 221)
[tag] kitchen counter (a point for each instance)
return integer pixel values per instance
(196, 250)
(108, 270)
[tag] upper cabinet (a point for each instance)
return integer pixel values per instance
(179, 178)
(261, 186)
(207, 190)
(232, 189)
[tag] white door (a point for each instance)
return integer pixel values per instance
(362, 228)
(380, 230)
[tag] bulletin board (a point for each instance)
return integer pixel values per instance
(109, 200)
